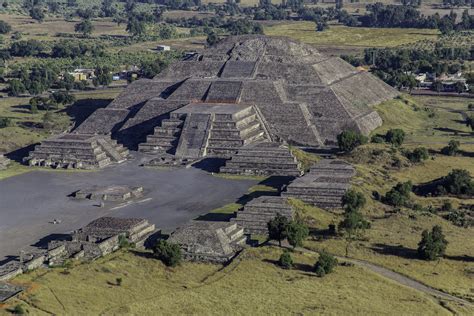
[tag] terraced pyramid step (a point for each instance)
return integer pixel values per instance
(257, 213)
(325, 184)
(263, 159)
(80, 151)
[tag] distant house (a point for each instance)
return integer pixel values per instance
(162, 48)
(80, 74)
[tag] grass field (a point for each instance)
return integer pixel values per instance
(350, 36)
(252, 284)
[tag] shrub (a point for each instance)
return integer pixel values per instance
(432, 244)
(418, 155)
(399, 195)
(447, 206)
(5, 27)
(118, 281)
(395, 137)
(353, 200)
(168, 253)
(457, 217)
(296, 233)
(377, 139)
(452, 149)
(285, 261)
(325, 264)
(349, 140)
(19, 310)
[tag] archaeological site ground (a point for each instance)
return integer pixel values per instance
(259, 165)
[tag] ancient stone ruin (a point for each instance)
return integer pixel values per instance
(245, 90)
(8, 290)
(257, 213)
(109, 193)
(325, 184)
(263, 159)
(206, 241)
(99, 238)
(77, 151)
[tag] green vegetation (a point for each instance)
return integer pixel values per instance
(286, 261)
(349, 140)
(432, 244)
(399, 195)
(168, 253)
(277, 228)
(452, 149)
(325, 264)
(458, 182)
(395, 136)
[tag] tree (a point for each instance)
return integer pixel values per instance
(16, 87)
(48, 120)
(399, 195)
(5, 122)
(26, 48)
(85, 27)
(321, 26)
(452, 149)
(296, 233)
(470, 121)
(285, 261)
(353, 223)
(325, 264)
(418, 155)
(107, 9)
(349, 140)
(168, 253)
(277, 228)
(167, 31)
(457, 182)
(395, 137)
(459, 87)
(136, 27)
(212, 38)
(62, 97)
(432, 244)
(36, 13)
(103, 77)
(5, 27)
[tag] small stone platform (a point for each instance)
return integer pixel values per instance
(206, 241)
(257, 213)
(109, 193)
(77, 151)
(8, 290)
(263, 159)
(325, 184)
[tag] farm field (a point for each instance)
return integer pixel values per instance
(347, 36)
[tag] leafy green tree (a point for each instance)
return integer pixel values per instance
(36, 13)
(457, 182)
(285, 261)
(212, 38)
(67, 82)
(470, 122)
(5, 27)
(349, 140)
(107, 8)
(353, 200)
(16, 87)
(103, 76)
(168, 253)
(136, 27)
(399, 195)
(417, 155)
(167, 31)
(452, 149)
(353, 223)
(85, 27)
(277, 228)
(325, 264)
(395, 137)
(27, 48)
(62, 97)
(296, 233)
(432, 244)
(5, 122)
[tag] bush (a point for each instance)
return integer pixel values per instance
(5, 27)
(349, 140)
(19, 310)
(353, 200)
(395, 137)
(399, 195)
(432, 244)
(418, 155)
(452, 149)
(285, 261)
(168, 253)
(377, 139)
(458, 218)
(118, 281)
(325, 264)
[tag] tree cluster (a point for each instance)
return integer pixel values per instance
(349, 140)
(280, 228)
(169, 253)
(399, 195)
(432, 244)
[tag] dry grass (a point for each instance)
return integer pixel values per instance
(350, 36)
(252, 284)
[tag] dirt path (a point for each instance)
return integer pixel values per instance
(394, 276)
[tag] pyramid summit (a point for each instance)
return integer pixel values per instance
(244, 90)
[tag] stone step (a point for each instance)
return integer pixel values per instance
(154, 148)
(242, 240)
(236, 234)
(221, 152)
(265, 172)
(172, 123)
(166, 131)
(254, 136)
(111, 151)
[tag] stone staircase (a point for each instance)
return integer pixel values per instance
(235, 234)
(257, 213)
(263, 159)
(165, 137)
(229, 132)
(77, 151)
